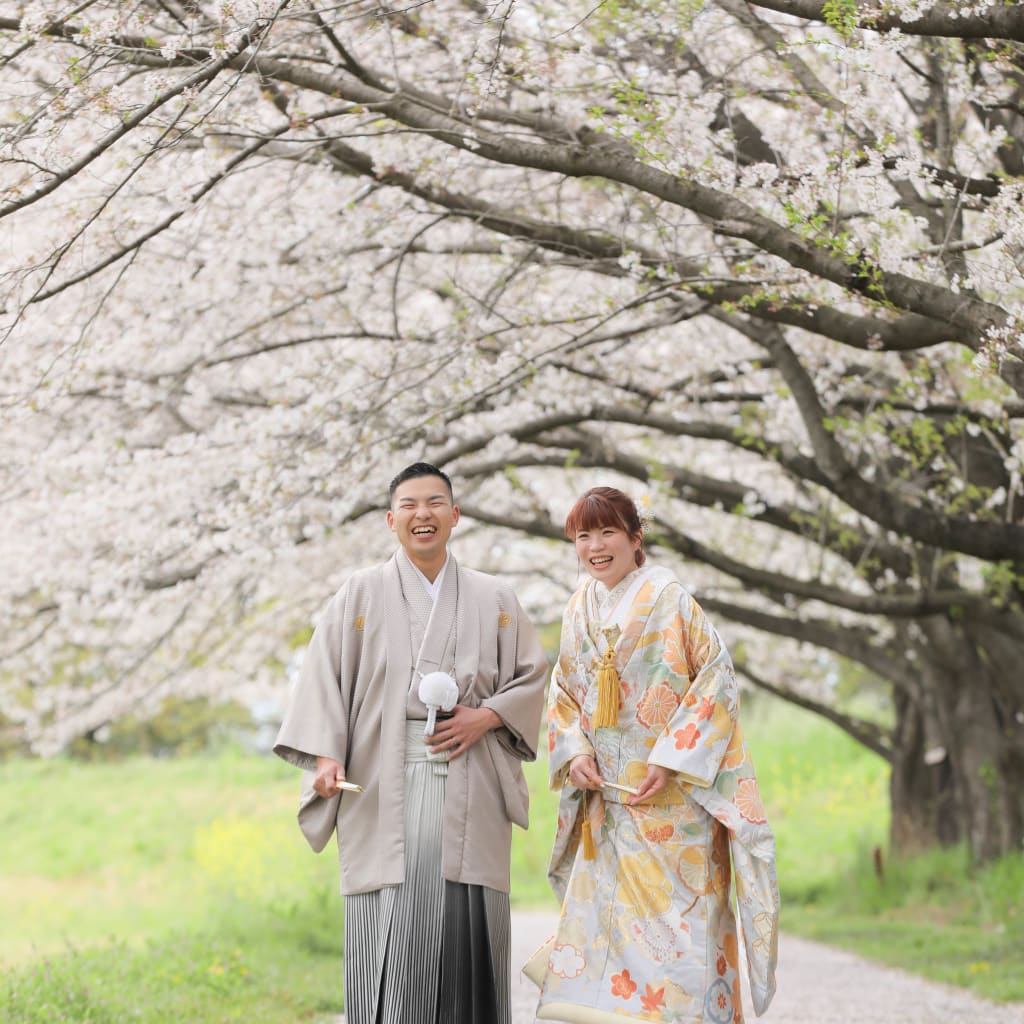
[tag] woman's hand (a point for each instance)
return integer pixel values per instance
(583, 773)
(652, 784)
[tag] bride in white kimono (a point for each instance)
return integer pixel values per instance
(659, 807)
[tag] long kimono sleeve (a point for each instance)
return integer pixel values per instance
(567, 737)
(518, 700)
(316, 721)
(697, 736)
(704, 743)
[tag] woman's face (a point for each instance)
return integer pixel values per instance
(607, 553)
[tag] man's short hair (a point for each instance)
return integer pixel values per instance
(418, 469)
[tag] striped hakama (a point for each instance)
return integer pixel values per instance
(428, 951)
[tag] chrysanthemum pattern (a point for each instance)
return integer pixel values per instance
(657, 706)
(650, 909)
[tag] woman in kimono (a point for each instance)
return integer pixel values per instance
(659, 807)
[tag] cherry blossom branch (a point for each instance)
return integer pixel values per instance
(728, 216)
(128, 125)
(869, 734)
(858, 643)
(949, 20)
(925, 524)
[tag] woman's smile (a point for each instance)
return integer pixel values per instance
(607, 552)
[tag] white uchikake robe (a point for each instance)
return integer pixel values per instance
(647, 930)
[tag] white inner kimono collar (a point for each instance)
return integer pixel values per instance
(612, 607)
(433, 589)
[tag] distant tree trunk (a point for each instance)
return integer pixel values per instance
(958, 757)
(921, 790)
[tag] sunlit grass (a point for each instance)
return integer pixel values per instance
(163, 890)
(153, 890)
(133, 848)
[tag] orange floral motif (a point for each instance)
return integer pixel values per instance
(722, 1000)
(673, 653)
(748, 802)
(731, 949)
(706, 709)
(623, 985)
(699, 651)
(720, 964)
(687, 738)
(654, 999)
(659, 833)
(657, 706)
(736, 752)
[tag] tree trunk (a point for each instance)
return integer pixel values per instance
(921, 789)
(958, 761)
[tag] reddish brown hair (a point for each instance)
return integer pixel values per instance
(605, 506)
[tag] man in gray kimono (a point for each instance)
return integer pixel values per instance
(425, 846)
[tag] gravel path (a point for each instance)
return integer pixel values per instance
(816, 985)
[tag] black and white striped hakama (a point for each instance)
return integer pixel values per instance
(428, 951)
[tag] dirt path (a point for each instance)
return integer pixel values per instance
(816, 985)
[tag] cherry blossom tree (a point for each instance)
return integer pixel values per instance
(758, 262)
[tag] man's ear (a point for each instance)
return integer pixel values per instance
(455, 515)
(391, 521)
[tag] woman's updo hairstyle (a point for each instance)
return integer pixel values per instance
(601, 507)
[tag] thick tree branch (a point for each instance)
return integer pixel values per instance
(725, 214)
(870, 734)
(948, 20)
(696, 489)
(992, 541)
(906, 333)
(759, 580)
(858, 644)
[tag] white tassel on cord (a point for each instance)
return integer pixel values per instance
(439, 692)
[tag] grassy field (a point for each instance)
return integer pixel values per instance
(934, 915)
(150, 890)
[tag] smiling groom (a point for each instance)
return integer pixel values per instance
(424, 847)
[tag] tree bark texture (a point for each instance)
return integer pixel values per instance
(958, 752)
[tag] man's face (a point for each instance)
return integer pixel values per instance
(422, 514)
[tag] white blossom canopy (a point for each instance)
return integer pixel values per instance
(760, 262)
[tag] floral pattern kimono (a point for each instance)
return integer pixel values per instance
(647, 931)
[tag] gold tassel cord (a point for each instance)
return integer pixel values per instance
(606, 715)
(589, 849)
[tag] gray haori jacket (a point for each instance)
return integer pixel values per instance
(351, 704)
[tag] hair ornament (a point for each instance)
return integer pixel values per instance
(644, 512)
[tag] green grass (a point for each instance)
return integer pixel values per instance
(275, 965)
(934, 914)
(125, 850)
(153, 890)
(146, 891)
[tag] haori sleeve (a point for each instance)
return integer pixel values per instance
(316, 721)
(697, 735)
(522, 665)
(566, 736)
